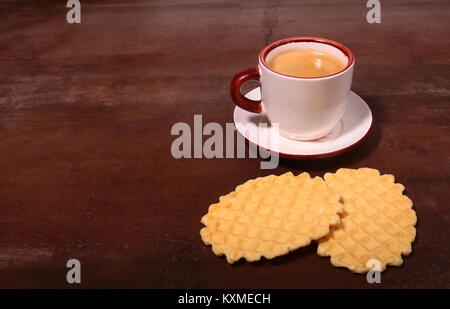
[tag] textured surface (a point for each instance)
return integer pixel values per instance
(377, 222)
(270, 216)
(85, 118)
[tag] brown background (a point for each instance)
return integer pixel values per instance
(85, 118)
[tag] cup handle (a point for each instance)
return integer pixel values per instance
(235, 90)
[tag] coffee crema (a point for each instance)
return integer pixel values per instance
(306, 63)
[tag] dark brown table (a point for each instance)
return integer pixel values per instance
(86, 112)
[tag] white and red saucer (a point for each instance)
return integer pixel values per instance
(351, 130)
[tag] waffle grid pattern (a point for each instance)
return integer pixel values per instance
(270, 216)
(377, 222)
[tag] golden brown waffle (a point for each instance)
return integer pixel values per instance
(270, 216)
(377, 222)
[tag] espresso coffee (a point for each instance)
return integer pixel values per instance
(306, 63)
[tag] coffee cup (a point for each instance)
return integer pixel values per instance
(305, 85)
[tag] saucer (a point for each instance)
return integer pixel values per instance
(350, 131)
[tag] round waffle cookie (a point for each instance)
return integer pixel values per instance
(270, 216)
(377, 225)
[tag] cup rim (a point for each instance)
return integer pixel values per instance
(344, 49)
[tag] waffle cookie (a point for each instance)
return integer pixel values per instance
(270, 216)
(377, 222)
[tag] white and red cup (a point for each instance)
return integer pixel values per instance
(304, 108)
